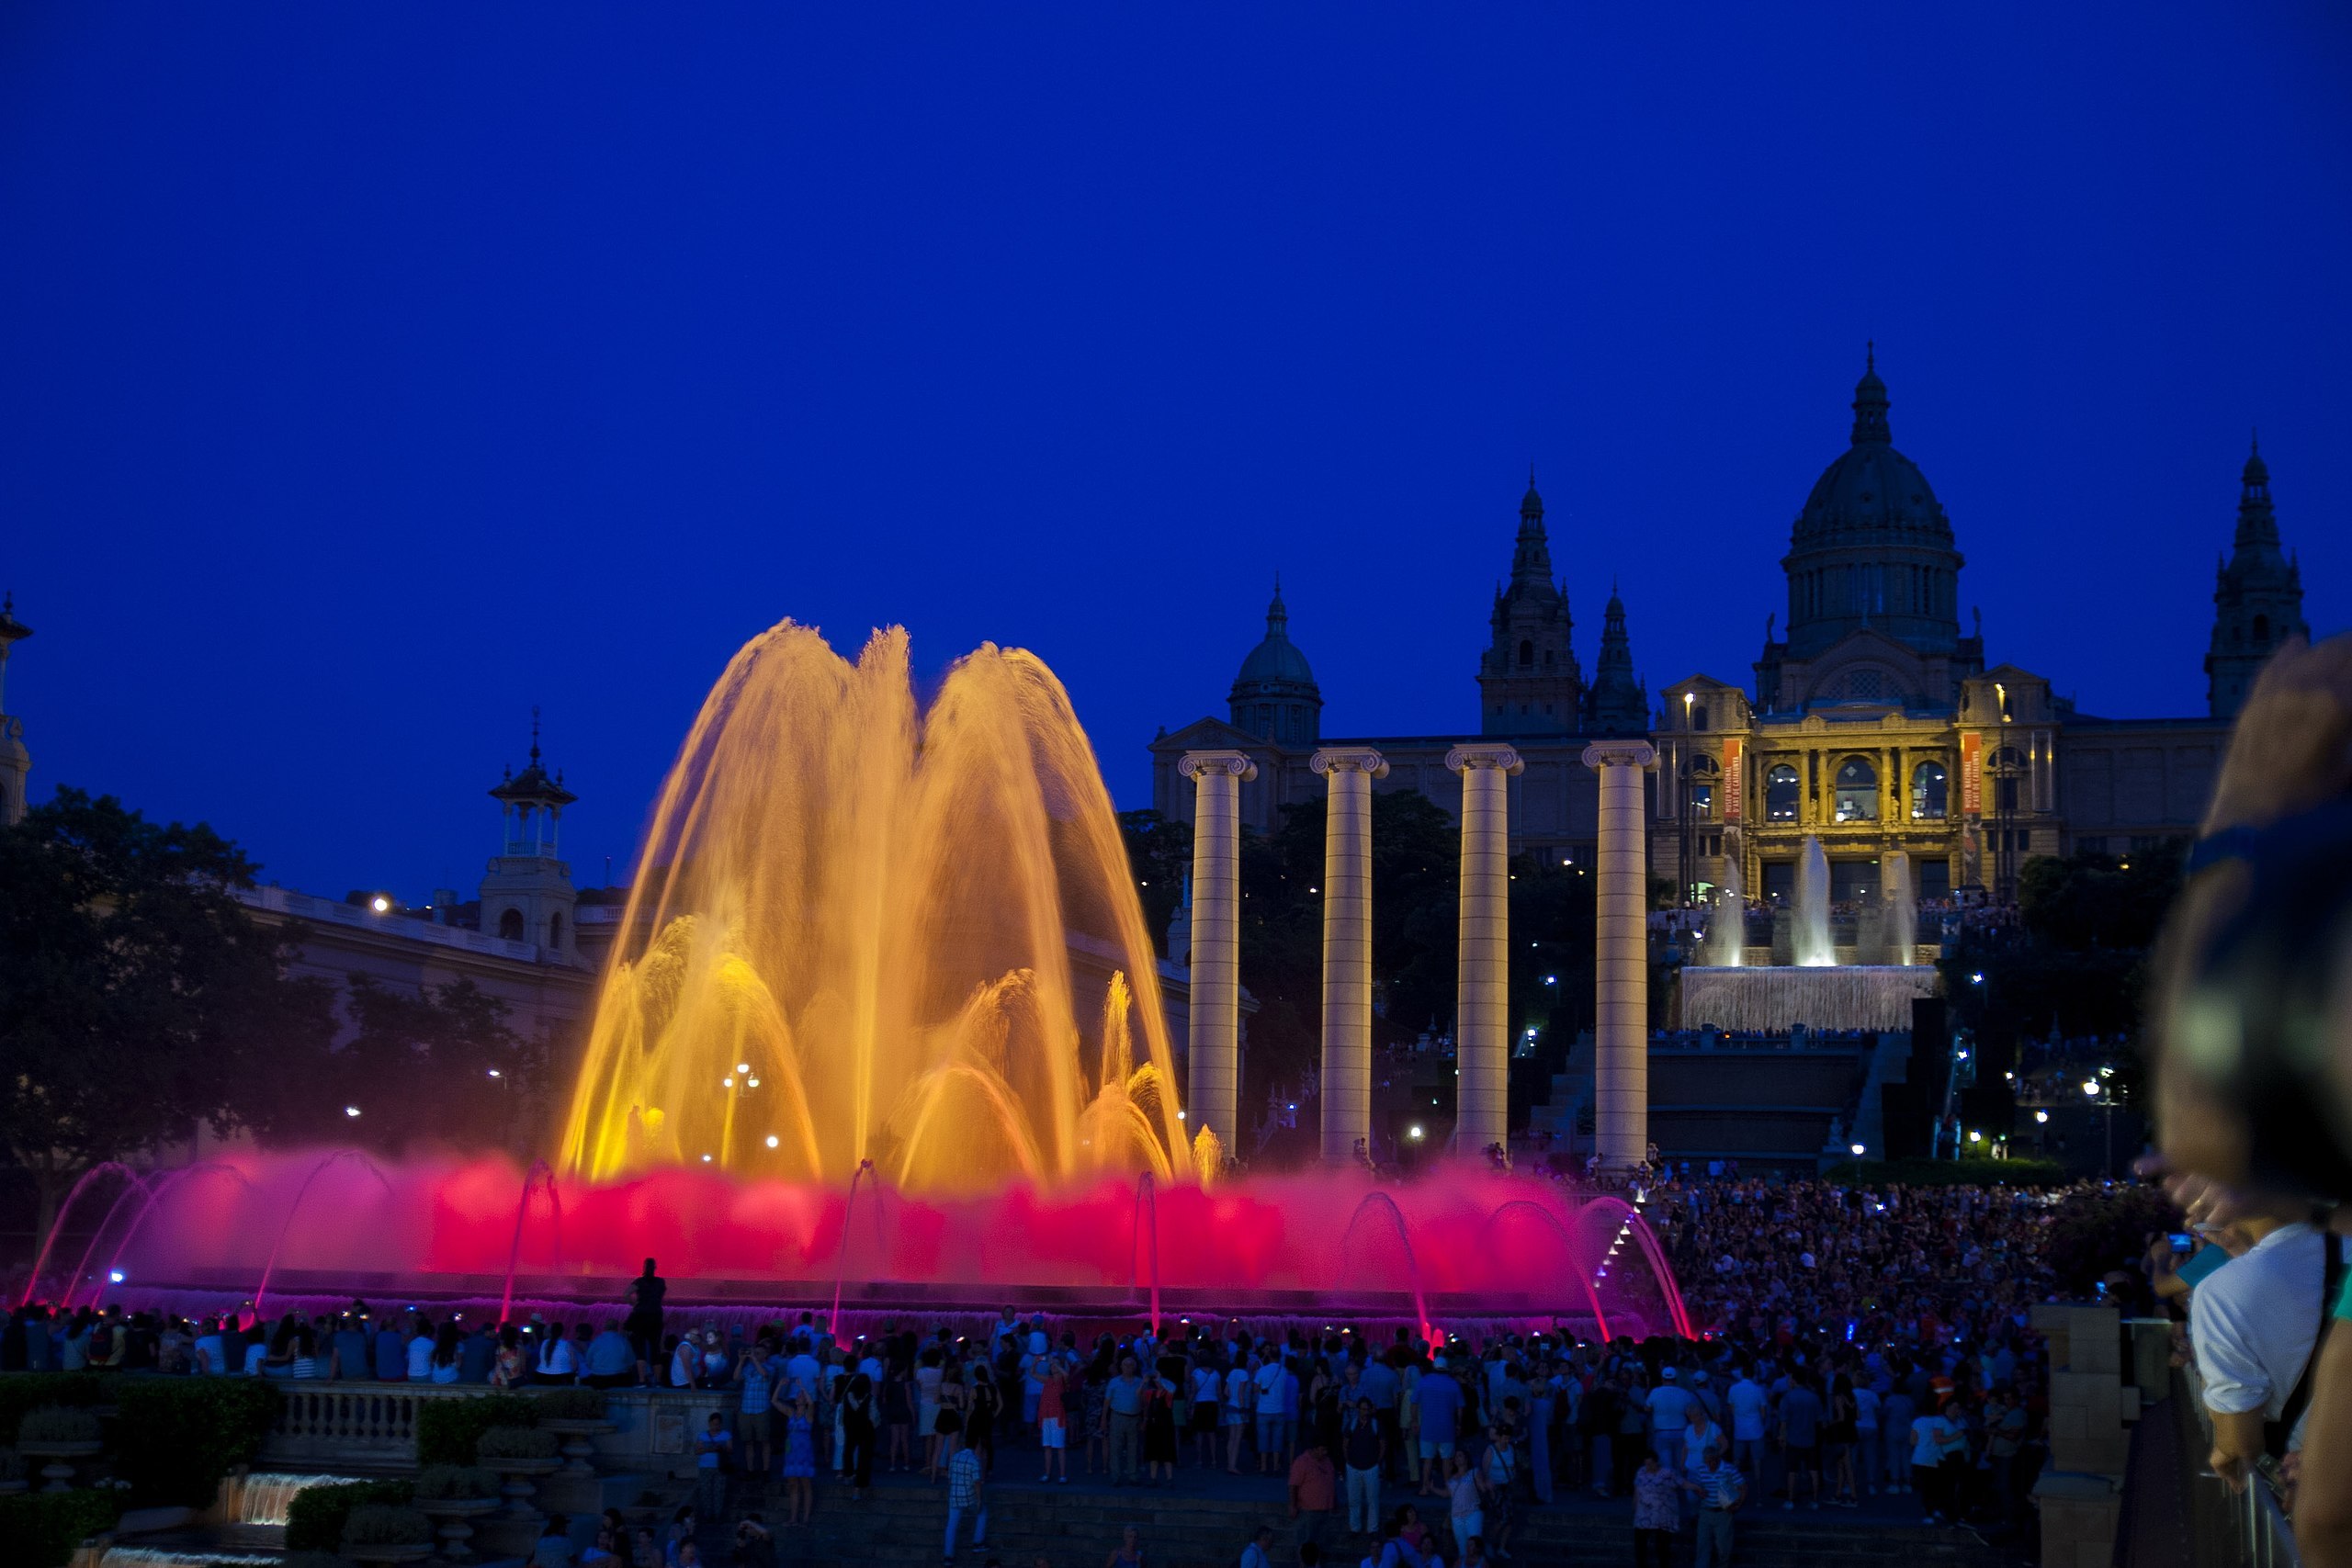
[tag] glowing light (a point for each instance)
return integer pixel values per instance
(742, 1067)
(1859, 1151)
(2041, 1116)
(1978, 978)
(705, 1160)
(351, 1110)
(117, 1275)
(2090, 1085)
(1974, 1136)
(494, 1072)
(773, 1140)
(1414, 1131)
(381, 904)
(752, 1083)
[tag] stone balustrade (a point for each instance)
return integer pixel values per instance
(370, 1428)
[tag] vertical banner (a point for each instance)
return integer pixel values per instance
(1734, 779)
(1972, 772)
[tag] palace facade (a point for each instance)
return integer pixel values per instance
(1872, 721)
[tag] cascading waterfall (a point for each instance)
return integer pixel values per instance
(1727, 933)
(266, 1498)
(1812, 941)
(1902, 908)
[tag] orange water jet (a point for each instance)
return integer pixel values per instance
(851, 936)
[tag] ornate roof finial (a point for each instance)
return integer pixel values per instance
(1870, 404)
(534, 732)
(1870, 355)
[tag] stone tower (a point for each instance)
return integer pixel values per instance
(1618, 704)
(528, 896)
(2258, 597)
(1274, 697)
(15, 762)
(1528, 679)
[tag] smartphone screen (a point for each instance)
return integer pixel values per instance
(2183, 1242)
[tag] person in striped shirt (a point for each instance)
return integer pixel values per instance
(1720, 1489)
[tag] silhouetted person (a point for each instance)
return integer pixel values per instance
(644, 1322)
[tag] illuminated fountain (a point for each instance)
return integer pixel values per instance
(1816, 990)
(885, 963)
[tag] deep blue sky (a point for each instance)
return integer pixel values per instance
(369, 374)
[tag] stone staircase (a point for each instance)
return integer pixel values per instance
(1078, 1527)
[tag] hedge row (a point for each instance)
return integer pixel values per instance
(314, 1519)
(41, 1528)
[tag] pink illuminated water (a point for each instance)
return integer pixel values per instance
(1458, 1244)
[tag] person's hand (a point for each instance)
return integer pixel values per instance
(2229, 1467)
(2292, 746)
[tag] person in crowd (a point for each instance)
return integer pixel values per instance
(646, 1293)
(1314, 1492)
(1720, 1489)
(1658, 1512)
(1800, 1434)
(1123, 1422)
(1366, 1449)
(1052, 1421)
(1259, 1552)
(712, 1451)
(967, 1485)
(800, 1461)
(554, 1548)
(611, 1359)
(754, 1389)
(1439, 1398)
(1128, 1553)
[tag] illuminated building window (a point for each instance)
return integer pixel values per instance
(1780, 794)
(1856, 792)
(1927, 793)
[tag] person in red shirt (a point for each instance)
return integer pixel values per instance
(1313, 1490)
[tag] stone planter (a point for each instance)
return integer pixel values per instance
(452, 1516)
(10, 1488)
(59, 1471)
(579, 1453)
(385, 1552)
(520, 1484)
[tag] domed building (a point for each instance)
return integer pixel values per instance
(1874, 722)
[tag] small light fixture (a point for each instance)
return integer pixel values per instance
(1858, 1151)
(2090, 1085)
(381, 904)
(772, 1140)
(705, 1160)
(117, 1275)
(494, 1073)
(742, 1067)
(1414, 1131)
(2041, 1116)
(351, 1110)
(1974, 1136)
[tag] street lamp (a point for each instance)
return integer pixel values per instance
(1858, 1151)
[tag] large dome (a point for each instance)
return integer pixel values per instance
(1276, 661)
(1274, 696)
(1871, 546)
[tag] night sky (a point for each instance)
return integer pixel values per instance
(369, 374)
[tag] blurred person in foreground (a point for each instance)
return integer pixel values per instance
(2253, 1047)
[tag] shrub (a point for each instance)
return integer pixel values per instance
(58, 1424)
(455, 1482)
(386, 1524)
(179, 1435)
(516, 1443)
(571, 1405)
(447, 1430)
(12, 1465)
(21, 1392)
(314, 1519)
(41, 1528)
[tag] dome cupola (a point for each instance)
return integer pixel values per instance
(1274, 696)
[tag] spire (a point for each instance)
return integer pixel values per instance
(1277, 617)
(2257, 524)
(1531, 557)
(1870, 404)
(1616, 705)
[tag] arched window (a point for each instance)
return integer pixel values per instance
(2262, 631)
(1856, 792)
(1780, 794)
(1699, 718)
(1929, 793)
(510, 925)
(2008, 766)
(1526, 653)
(555, 930)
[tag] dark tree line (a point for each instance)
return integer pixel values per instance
(139, 1001)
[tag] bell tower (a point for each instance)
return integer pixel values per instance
(528, 896)
(1528, 679)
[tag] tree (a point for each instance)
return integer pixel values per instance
(438, 1065)
(1160, 853)
(137, 997)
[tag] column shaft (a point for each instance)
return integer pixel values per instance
(1482, 1001)
(1346, 952)
(1621, 960)
(1214, 1054)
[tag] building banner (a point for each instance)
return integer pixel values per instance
(1734, 779)
(1972, 772)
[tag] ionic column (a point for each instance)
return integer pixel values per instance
(1347, 949)
(1621, 959)
(1214, 1054)
(1481, 996)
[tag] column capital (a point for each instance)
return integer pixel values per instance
(1619, 754)
(1483, 754)
(1192, 765)
(1357, 758)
